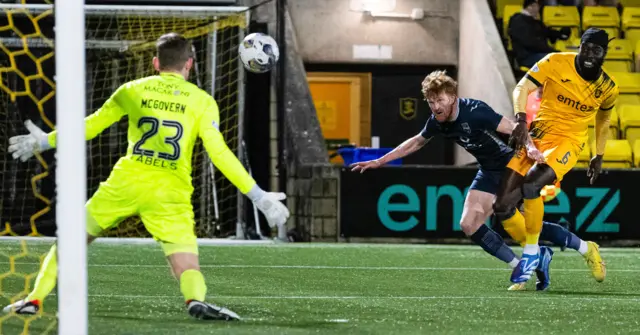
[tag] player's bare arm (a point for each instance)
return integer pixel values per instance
(407, 147)
(602, 133)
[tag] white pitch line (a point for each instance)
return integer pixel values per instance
(219, 242)
(511, 296)
(325, 267)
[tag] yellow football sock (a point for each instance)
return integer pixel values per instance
(47, 277)
(533, 213)
(515, 227)
(192, 285)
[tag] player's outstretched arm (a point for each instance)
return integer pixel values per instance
(269, 203)
(24, 146)
(406, 148)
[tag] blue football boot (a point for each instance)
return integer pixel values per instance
(525, 268)
(542, 272)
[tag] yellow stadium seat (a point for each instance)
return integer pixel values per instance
(628, 82)
(636, 154)
(582, 164)
(630, 122)
(601, 17)
(562, 16)
(630, 18)
(617, 66)
(612, 32)
(509, 11)
(633, 35)
(620, 49)
(637, 52)
(628, 99)
(500, 6)
(614, 126)
(630, 3)
(570, 45)
(617, 154)
(620, 56)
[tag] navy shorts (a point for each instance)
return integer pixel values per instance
(487, 181)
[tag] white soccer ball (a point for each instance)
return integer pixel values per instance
(258, 52)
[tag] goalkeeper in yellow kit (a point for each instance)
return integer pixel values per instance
(166, 116)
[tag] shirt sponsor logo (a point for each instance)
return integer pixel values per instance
(577, 105)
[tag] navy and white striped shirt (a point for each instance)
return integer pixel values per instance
(474, 129)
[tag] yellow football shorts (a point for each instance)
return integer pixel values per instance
(166, 213)
(560, 154)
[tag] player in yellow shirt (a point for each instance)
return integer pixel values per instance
(153, 180)
(575, 90)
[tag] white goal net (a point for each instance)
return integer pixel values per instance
(119, 45)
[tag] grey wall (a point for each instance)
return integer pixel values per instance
(453, 32)
(483, 68)
(327, 30)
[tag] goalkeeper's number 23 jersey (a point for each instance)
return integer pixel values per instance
(166, 115)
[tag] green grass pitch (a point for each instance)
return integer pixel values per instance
(344, 288)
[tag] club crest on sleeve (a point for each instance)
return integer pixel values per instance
(597, 93)
(466, 128)
(215, 125)
(535, 68)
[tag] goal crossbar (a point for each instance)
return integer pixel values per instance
(148, 11)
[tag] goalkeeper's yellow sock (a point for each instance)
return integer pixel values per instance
(47, 277)
(515, 227)
(533, 214)
(192, 285)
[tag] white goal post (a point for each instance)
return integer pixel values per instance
(71, 165)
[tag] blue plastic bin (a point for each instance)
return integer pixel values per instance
(354, 155)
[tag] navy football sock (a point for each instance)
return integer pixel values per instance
(559, 235)
(493, 244)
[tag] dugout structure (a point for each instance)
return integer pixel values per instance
(119, 46)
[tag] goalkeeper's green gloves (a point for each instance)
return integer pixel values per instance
(24, 146)
(269, 204)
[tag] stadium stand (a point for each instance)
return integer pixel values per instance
(622, 61)
(501, 4)
(630, 3)
(617, 154)
(628, 82)
(620, 56)
(614, 127)
(628, 99)
(570, 45)
(606, 18)
(508, 13)
(630, 122)
(562, 16)
(636, 154)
